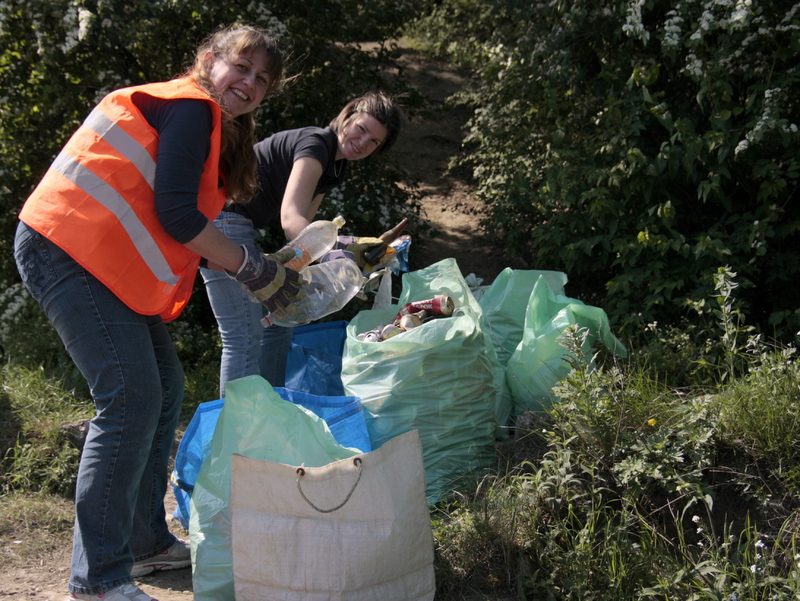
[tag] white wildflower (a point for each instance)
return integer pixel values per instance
(633, 22)
(694, 66)
(672, 29)
(84, 22)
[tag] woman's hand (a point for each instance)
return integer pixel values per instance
(275, 286)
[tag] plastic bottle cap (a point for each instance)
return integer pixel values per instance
(339, 221)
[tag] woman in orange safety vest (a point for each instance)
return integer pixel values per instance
(109, 244)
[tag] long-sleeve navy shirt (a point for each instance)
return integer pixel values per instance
(184, 130)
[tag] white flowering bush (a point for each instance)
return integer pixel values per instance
(639, 145)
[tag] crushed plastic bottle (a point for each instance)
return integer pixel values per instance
(329, 286)
(316, 239)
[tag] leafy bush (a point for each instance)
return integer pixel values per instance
(639, 146)
(26, 335)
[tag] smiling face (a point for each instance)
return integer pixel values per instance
(240, 81)
(362, 136)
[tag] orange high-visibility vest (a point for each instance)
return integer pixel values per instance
(96, 202)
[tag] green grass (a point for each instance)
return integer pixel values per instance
(33, 526)
(35, 451)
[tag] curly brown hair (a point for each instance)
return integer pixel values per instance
(237, 157)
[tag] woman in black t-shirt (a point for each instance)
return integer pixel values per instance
(296, 168)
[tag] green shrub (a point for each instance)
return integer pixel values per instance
(638, 146)
(647, 442)
(634, 497)
(26, 334)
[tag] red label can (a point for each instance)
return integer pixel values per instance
(440, 305)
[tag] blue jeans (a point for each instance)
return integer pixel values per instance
(247, 347)
(137, 384)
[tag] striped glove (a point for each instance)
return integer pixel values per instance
(265, 277)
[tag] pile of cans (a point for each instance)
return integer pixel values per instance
(412, 315)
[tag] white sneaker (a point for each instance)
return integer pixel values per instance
(179, 555)
(126, 592)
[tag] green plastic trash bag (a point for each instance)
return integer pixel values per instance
(538, 361)
(505, 303)
(441, 378)
(257, 423)
(445, 275)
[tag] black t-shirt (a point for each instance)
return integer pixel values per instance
(276, 157)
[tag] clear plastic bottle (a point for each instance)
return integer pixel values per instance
(329, 286)
(316, 239)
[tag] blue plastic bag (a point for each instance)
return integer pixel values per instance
(192, 451)
(314, 364)
(343, 414)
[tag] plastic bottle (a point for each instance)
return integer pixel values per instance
(329, 286)
(316, 239)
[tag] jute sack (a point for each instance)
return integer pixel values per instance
(354, 530)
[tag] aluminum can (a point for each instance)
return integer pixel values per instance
(440, 305)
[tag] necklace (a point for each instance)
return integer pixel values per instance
(337, 167)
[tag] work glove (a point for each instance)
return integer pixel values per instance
(265, 277)
(359, 247)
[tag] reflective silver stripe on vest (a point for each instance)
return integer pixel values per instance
(103, 193)
(124, 144)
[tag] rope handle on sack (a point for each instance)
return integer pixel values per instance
(302, 472)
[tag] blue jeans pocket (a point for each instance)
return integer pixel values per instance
(33, 261)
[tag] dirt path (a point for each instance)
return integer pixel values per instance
(46, 577)
(424, 149)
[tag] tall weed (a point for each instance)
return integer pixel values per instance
(760, 414)
(646, 441)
